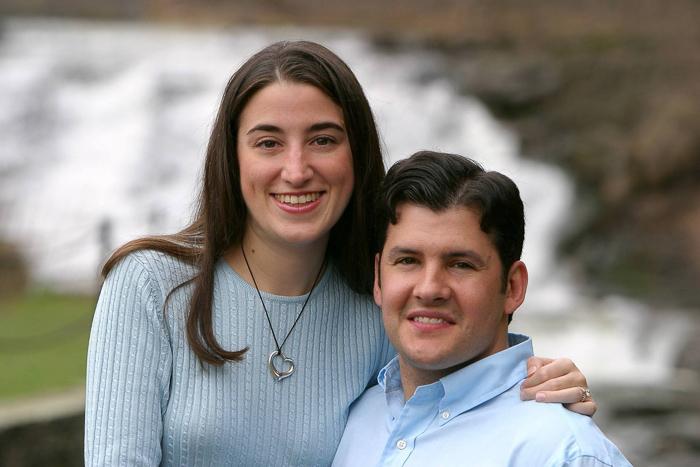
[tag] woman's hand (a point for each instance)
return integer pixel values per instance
(557, 381)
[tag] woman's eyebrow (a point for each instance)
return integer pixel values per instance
(315, 127)
(265, 127)
(325, 126)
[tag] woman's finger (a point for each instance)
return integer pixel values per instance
(561, 367)
(562, 383)
(563, 396)
(570, 397)
(535, 363)
(587, 408)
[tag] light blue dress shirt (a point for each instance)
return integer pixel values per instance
(472, 417)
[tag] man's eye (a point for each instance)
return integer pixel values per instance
(406, 261)
(463, 265)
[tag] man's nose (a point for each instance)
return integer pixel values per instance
(432, 285)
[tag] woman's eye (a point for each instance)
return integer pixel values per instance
(267, 144)
(322, 141)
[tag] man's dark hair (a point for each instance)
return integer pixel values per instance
(440, 181)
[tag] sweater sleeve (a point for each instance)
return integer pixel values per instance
(128, 370)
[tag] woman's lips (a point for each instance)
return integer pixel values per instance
(298, 203)
(297, 199)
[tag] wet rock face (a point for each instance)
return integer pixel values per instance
(609, 92)
(632, 145)
(511, 86)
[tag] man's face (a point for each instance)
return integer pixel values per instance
(441, 292)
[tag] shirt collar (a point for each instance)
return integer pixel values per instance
(487, 378)
(476, 383)
(389, 376)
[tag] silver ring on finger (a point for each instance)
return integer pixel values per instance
(585, 393)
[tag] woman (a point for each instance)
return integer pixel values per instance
(244, 338)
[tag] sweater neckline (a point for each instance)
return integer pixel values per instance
(234, 276)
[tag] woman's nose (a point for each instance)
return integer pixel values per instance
(296, 170)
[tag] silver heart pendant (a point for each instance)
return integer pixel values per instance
(280, 375)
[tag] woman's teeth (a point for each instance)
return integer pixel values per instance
(423, 319)
(293, 199)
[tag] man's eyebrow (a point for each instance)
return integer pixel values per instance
(401, 250)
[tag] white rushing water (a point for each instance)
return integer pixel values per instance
(107, 123)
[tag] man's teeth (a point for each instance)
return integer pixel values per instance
(423, 319)
(293, 199)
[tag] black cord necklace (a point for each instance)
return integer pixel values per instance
(280, 375)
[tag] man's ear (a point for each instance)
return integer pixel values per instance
(515, 287)
(377, 282)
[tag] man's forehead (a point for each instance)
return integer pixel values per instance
(454, 230)
(418, 214)
(469, 211)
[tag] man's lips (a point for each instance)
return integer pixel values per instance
(430, 317)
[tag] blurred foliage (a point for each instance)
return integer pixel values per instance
(43, 342)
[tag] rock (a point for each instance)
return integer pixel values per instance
(666, 144)
(510, 85)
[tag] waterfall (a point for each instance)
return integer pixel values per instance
(104, 128)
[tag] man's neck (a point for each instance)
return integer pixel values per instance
(412, 377)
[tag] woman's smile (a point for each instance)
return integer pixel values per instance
(299, 204)
(297, 199)
(295, 163)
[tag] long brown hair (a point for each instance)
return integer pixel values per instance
(220, 217)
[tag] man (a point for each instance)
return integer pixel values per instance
(448, 277)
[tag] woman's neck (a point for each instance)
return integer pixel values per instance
(279, 271)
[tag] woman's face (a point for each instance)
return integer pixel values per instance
(295, 165)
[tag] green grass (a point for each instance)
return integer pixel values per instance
(43, 342)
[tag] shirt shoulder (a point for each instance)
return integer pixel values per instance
(556, 436)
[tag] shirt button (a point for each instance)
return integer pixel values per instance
(401, 444)
(446, 415)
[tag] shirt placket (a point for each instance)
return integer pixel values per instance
(415, 418)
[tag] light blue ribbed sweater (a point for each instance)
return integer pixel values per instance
(149, 401)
